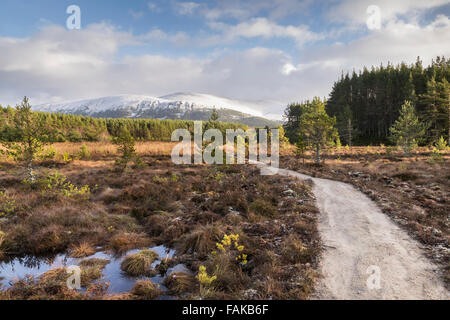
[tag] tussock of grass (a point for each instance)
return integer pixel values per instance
(145, 290)
(201, 240)
(91, 269)
(94, 262)
(50, 286)
(179, 283)
(294, 251)
(82, 250)
(164, 228)
(263, 208)
(230, 276)
(124, 241)
(139, 264)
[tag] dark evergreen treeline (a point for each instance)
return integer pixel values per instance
(366, 104)
(74, 128)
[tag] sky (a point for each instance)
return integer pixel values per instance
(273, 51)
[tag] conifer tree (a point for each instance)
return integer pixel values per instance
(31, 135)
(407, 130)
(317, 127)
(126, 146)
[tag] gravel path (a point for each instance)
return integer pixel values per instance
(366, 255)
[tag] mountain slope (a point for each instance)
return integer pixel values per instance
(186, 106)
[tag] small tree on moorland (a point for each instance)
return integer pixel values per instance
(213, 120)
(126, 147)
(214, 115)
(31, 134)
(300, 147)
(316, 127)
(284, 141)
(407, 131)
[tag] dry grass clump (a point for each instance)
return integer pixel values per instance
(262, 208)
(303, 227)
(231, 278)
(139, 264)
(82, 250)
(99, 150)
(54, 228)
(200, 241)
(180, 282)
(91, 269)
(94, 262)
(50, 286)
(124, 241)
(294, 251)
(119, 297)
(145, 289)
(90, 274)
(165, 227)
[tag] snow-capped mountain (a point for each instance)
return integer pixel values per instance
(187, 106)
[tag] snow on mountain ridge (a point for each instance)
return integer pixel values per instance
(201, 99)
(139, 103)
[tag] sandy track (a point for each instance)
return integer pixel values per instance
(357, 235)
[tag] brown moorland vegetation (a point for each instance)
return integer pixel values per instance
(242, 235)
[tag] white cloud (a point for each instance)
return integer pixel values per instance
(245, 9)
(179, 38)
(136, 15)
(153, 7)
(262, 27)
(57, 64)
(354, 12)
(398, 41)
(288, 68)
(186, 8)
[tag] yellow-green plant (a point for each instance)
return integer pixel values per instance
(49, 153)
(441, 144)
(205, 282)
(230, 244)
(7, 204)
(66, 157)
(84, 153)
(338, 144)
(158, 179)
(57, 183)
(219, 176)
(436, 156)
(203, 277)
(229, 257)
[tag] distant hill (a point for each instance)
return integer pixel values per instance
(178, 106)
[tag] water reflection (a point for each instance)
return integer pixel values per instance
(119, 282)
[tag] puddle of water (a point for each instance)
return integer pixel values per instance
(119, 281)
(19, 268)
(179, 268)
